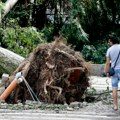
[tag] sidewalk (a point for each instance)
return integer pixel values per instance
(89, 111)
(52, 115)
(101, 83)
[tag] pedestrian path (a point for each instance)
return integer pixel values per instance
(101, 83)
(52, 115)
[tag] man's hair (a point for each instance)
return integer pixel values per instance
(114, 39)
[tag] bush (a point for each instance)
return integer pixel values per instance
(96, 54)
(20, 40)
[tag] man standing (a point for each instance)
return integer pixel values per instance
(111, 57)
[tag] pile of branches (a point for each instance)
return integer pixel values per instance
(55, 72)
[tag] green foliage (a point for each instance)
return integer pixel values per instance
(72, 29)
(21, 40)
(48, 32)
(89, 52)
(69, 18)
(2, 5)
(90, 92)
(77, 9)
(73, 35)
(95, 53)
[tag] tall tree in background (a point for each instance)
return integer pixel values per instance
(97, 17)
(101, 17)
(70, 18)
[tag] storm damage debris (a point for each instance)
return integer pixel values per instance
(55, 72)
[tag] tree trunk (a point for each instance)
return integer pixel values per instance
(8, 61)
(9, 5)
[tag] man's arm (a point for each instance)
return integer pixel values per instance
(107, 65)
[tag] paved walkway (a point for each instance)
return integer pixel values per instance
(52, 115)
(94, 111)
(101, 83)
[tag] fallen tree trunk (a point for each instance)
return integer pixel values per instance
(55, 72)
(9, 61)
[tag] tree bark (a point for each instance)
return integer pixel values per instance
(9, 5)
(9, 61)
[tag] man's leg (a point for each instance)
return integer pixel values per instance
(115, 80)
(115, 98)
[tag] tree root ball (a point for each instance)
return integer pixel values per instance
(55, 72)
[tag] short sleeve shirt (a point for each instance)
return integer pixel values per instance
(112, 53)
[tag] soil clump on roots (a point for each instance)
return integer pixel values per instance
(55, 72)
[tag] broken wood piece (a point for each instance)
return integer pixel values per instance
(49, 65)
(75, 68)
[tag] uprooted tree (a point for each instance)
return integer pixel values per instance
(55, 72)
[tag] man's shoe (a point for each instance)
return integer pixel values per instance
(115, 109)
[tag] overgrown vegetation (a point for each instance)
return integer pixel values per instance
(85, 24)
(21, 40)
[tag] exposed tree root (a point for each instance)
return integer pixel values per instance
(55, 72)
